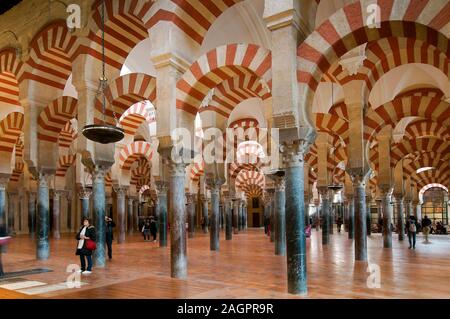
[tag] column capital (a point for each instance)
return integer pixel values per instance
(120, 190)
(161, 186)
(214, 184)
(84, 192)
(99, 172)
(385, 189)
(293, 152)
(190, 198)
(4, 179)
(359, 175)
(323, 191)
(177, 169)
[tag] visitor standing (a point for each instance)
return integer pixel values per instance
(86, 244)
(153, 228)
(411, 229)
(426, 227)
(110, 224)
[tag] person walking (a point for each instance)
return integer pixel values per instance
(110, 224)
(426, 227)
(146, 230)
(339, 224)
(411, 229)
(153, 228)
(86, 244)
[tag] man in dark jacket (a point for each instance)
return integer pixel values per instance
(426, 224)
(109, 234)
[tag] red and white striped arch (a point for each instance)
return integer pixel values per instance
(427, 128)
(392, 112)
(386, 54)
(431, 176)
(339, 110)
(126, 91)
(10, 130)
(219, 65)
(236, 168)
(51, 54)
(418, 145)
(55, 116)
(233, 91)
(427, 187)
(10, 67)
(245, 178)
(64, 162)
(425, 160)
(132, 152)
(67, 135)
(333, 125)
(138, 113)
(346, 29)
(197, 170)
(193, 17)
(124, 29)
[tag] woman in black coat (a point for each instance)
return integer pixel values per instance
(86, 232)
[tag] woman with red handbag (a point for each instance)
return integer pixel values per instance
(86, 245)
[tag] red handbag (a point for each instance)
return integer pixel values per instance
(90, 244)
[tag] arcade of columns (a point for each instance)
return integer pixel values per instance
(373, 144)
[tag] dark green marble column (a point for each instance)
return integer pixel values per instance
(293, 156)
(190, 210)
(56, 214)
(130, 218)
(32, 214)
(205, 214)
(121, 223)
(228, 218)
(280, 212)
(214, 186)
(43, 246)
(387, 216)
(3, 182)
(99, 207)
(359, 177)
(351, 216)
(178, 248)
(235, 215)
(324, 194)
(400, 217)
(162, 206)
(368, 215)
(84, 194)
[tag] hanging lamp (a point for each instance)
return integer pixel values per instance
(103, 133)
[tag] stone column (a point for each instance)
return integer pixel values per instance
(69, 196)
(235, 215)
(32, 213)
(205, 213)
(351, 216)
(178, 257)
(368, 216)
(417, 211)
(359, 177)
(380, 206)
(400, 219)
(293, 157)
(241, 208)
(245, 217)
(272, 216)
(280, 212)
(136, 213)
(43, 247)
(11, 211)
(3, 182)
(84, 194)
(99, 200)
(162, 188)
(324, 194)
(387, 216)
(56, 214)
(121, 192)
(190, 198)
(228, 219)
(408, 208)
(130, 216)
(214, 185)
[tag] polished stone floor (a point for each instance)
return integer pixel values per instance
(245, 267)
